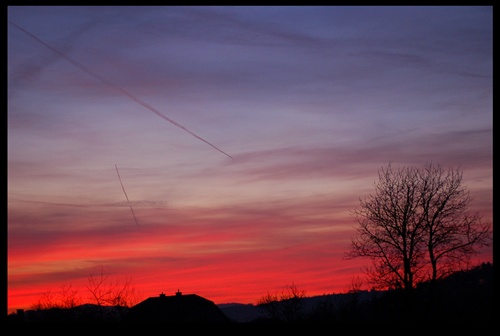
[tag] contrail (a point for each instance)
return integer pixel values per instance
(119, 88)
(123, 188)
(32, 68)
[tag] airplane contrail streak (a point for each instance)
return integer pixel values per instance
(123, 188)
(117, 87)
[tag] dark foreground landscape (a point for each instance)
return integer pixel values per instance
(463, 300)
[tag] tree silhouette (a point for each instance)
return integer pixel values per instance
(102, 291)
(284, 306)
(416, 226)
(452, 234)
(67, 297)
(105, 292)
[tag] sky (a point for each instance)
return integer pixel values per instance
(220, 151)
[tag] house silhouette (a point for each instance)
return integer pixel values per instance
(190, 308)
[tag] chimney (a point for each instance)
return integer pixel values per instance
(178, 293)
(20, 315)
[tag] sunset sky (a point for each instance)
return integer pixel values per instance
(243, 138)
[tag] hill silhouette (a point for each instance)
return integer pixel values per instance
(464, 298)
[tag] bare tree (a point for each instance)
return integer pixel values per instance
(66, 298)
(356, 285)
(106, 292)
(389, 232)
(119, 294)
(69, 297)
(270, 304)
(112, 297)
(453, 235)
(46, 300)
(286, 305)
(416, 227)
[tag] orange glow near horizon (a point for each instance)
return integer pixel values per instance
(241, 260)
(227, 282)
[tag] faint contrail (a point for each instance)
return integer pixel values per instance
(123, 188)
(32, 68)
(122, 90)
